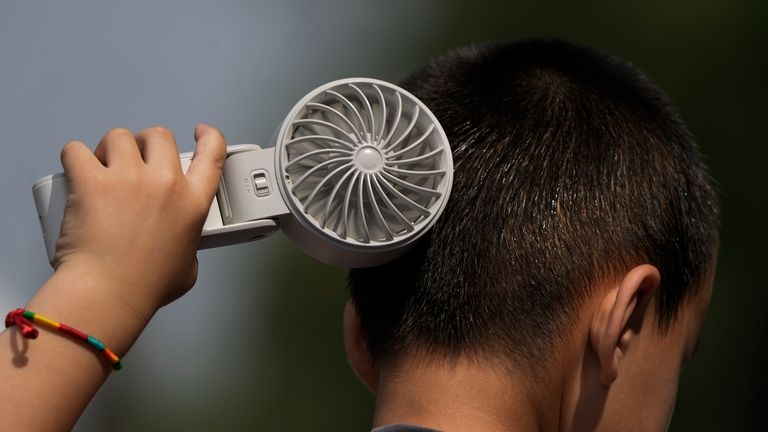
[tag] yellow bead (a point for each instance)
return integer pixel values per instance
(46, 322)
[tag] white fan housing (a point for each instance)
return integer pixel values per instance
(358, 170)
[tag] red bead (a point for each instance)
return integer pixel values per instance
(29, 332)
(11, 318)
(73, 331)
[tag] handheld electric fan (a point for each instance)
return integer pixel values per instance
(357, 171)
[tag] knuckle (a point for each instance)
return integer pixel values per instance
(166, 179)
(71, 147)
(218, 161)
(158, 131)
(163, 182)
(117, 133)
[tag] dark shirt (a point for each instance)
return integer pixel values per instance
(403, 428)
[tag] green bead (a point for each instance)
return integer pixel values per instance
(28, 315)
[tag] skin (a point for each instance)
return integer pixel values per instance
(118, 261)
(616, 371)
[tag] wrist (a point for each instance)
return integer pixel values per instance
(119, 286)
(96, 303)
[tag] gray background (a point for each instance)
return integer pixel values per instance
(270, 356)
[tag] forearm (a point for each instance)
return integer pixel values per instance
(48, 382)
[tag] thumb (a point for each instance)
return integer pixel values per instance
(208, 161)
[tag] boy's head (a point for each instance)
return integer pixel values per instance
(581, 218)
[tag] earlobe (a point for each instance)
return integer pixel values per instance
(619, 318)
(357, 350)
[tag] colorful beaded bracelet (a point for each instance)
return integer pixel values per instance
(23, 319)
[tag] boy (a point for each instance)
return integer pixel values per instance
(563, 288)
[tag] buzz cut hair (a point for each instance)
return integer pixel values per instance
(571, 167)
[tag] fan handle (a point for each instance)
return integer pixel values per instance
(246, 207)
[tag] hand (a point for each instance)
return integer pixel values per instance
(133, 219)
(127, 246)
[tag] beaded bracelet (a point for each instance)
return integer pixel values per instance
(23, 319)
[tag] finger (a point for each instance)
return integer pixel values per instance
(118, 147)
(78, 161)
(208, 162)
(158, 147)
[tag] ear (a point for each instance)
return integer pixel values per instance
(619, 318)
(357, 350)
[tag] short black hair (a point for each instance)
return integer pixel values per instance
(570, 167)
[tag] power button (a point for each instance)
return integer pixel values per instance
(260, 183)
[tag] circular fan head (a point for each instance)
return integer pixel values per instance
(365, 169)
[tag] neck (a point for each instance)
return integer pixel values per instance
(465, 396)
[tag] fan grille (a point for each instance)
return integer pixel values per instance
(365, 162)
